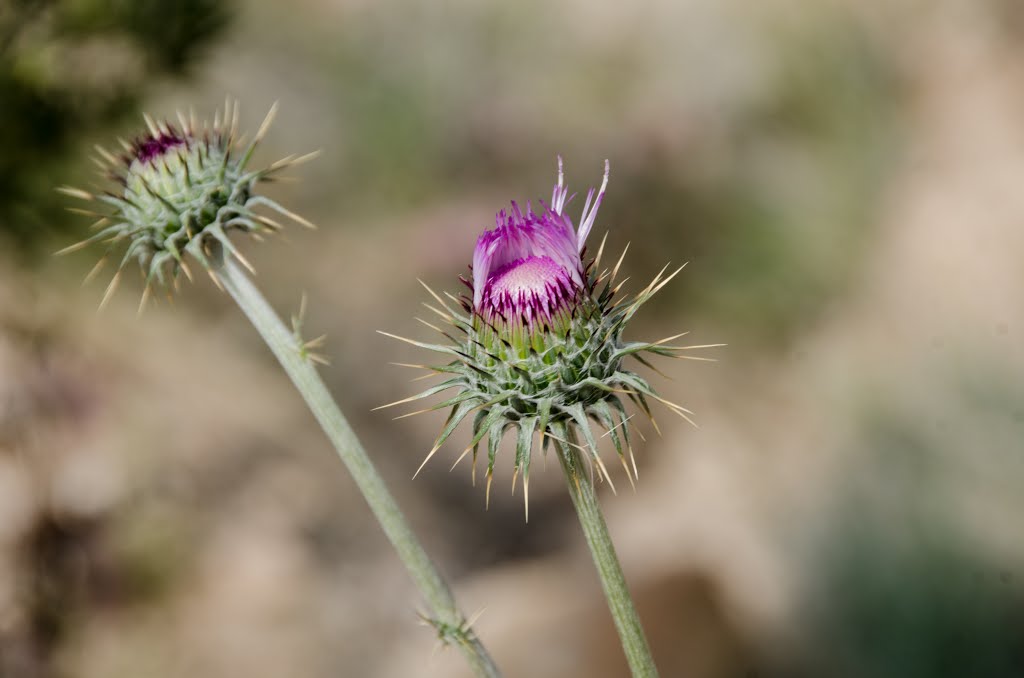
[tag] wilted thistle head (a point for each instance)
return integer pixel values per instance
(180, 190)
(538, 344)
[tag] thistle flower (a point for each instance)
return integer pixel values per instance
(181, 190)
(539, 345)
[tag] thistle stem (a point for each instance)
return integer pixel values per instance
(449, 622)
(627, 623)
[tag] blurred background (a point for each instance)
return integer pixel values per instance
(846, 179)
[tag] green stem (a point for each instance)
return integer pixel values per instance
(448, 621)
(627, 623)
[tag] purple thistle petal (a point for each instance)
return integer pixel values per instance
(151, 147)
(529, 265)
(587, 218)
(519, 236)
(558, 195)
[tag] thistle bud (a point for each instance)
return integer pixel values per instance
(539, 344)
(181, 190)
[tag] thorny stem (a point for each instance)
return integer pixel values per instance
(627, 623)
(449, 622)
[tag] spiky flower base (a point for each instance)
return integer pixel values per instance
(569, 374)
(182, 190)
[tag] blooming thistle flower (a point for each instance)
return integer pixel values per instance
(182, 189)
(539, 344)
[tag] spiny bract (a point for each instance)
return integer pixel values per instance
(539, 344)
(182, 189)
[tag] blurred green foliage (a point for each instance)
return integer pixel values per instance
(903, 586)
(69, 68)
(916, 608)
(777, 228)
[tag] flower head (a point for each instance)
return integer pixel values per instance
(528, 271)
(541, 348)
(181, 189)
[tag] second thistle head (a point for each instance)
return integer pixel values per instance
(539, 346)
(180, 189)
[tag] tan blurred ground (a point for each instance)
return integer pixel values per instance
(168, 508)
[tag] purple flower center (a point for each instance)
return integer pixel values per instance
(528, 268)
(154, 146)
(529, 275)
(532, 288)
